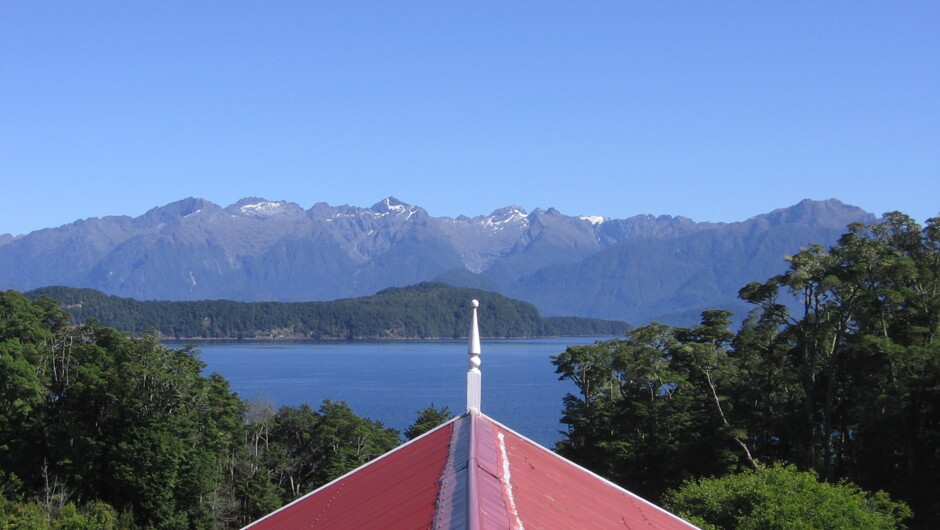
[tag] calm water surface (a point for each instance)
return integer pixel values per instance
(391, 381)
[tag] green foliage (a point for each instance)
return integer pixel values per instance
(645, 418)
(780, 497)
(95, 515)
(427, 420)
(101, 430)
(102, 416)
(427, 310)
(286, 453)
(836, 370)
(16, 515)
(350, 440)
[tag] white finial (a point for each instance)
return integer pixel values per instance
(474, 384)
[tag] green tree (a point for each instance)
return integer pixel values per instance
(836, 370)
(95, 423)
(251, 483)
(780, 497)
(646, 417)
(862, 350)
(427, 420)
(301, 459)
(16, 515)
(348, 441)
(287, 453)
(90, 413)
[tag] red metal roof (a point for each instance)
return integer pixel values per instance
(396, 490)
(548, 491)
(471, 472)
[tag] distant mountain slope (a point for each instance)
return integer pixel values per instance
(674, 278)
(635, 269)
(427, 310)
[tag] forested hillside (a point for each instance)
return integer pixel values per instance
(844, 383)
(428, 310)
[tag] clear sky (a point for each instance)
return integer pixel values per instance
(717, 111)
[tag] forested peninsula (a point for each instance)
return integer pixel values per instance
(423, 311)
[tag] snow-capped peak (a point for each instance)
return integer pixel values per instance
(507, 216)
(258, 207)
(261, 208)
(593, 219)
(391, 205)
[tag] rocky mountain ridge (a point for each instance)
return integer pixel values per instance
(636, 269)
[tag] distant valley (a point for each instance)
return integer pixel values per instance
(637, 269)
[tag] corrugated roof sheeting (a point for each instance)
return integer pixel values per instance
(397, 490)
(471, 472)
(551, 492)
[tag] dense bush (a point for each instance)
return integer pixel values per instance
(780, 497)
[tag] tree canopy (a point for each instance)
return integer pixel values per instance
(102, 430)
(836, 370)
(751, 500)
(427, 420)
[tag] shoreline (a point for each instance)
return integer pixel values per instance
(364, 339)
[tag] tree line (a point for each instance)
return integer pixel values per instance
(102, 430)
(835, 372)
(427, 310)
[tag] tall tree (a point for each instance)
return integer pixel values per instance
(428, 419)
(649, 414)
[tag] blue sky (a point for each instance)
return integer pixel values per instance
(712, 110)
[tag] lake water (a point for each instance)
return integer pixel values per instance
(391, 381)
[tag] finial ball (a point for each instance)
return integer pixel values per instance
(475, 303)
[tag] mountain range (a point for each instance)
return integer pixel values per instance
(637, 269)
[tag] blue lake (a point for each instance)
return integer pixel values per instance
(390, 381)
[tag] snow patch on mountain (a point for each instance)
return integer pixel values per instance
(392, 206)
(593, 219)
(261, 209)
(506, 217)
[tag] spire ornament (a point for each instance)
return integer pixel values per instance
(474, 377)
